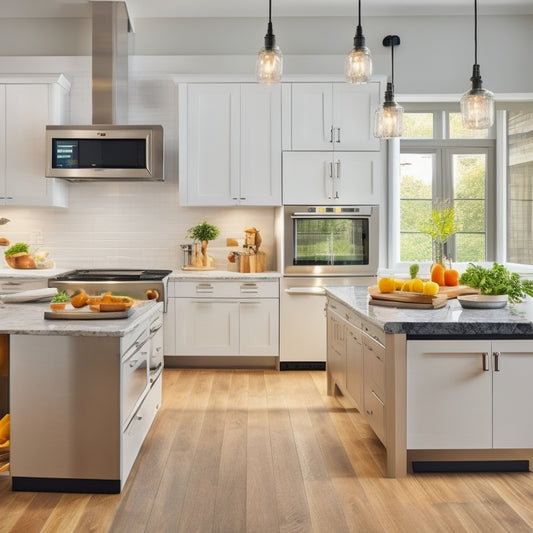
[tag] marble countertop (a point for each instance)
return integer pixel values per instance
(514, 320)
(28, 319)
(190, 275)
(29, 273)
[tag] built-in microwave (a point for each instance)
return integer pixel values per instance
(331, 240)
(101, 152)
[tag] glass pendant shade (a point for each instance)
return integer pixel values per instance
(477, 109)
(358, 65)
(269, 65)
(388, 121)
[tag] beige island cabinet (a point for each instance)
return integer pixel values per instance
(444, 390)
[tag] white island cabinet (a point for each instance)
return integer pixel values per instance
(82, 404)
(27, 105)
(469, 394)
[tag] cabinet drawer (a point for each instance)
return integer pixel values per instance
(375, 415)
(12, 285)
(374, 367)
(137, 429)
(224, 289)
(346, 313)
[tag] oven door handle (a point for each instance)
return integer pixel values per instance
(306, 290)
(326, 216)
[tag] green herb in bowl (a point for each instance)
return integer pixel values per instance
(496, 281)
(59, 301)
(17, 248)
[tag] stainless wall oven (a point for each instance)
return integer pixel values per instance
(331, 240)
(323, 246)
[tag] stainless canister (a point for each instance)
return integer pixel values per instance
(187, 254)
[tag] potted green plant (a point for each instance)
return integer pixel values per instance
(203, 233)
(440, 228)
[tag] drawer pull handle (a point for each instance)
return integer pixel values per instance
(485, 357)
(496, 361)
(369, 412)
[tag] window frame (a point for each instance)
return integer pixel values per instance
(443, 149)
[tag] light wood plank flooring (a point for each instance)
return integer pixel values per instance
(265, 451)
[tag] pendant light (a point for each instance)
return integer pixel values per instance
(477, 105)
(269, 65)
(358, 62)
(388, 120)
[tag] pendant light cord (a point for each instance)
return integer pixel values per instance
(475, 32)
(359, 12)
(270, 11)
(392, 63)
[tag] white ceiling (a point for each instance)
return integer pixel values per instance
(259, 8)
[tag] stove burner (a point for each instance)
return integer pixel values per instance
(113, 275)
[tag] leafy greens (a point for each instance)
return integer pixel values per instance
(497, 280)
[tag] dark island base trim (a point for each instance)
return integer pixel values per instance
(469, 466)
(302, 365)
(44, 484)
(465, 337)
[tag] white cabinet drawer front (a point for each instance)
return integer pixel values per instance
(225, 289)
(12, 285)
(137, 429)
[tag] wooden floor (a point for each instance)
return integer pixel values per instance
(266, 451)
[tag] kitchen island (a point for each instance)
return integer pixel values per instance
(444, 389)
(83, 394)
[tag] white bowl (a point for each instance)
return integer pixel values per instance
(483, 301)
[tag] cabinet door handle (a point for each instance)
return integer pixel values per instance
(485, 357)
(331, 135)
(338, 165)
(204, 287)
(328, 184)
(338, 135)
(496, 361)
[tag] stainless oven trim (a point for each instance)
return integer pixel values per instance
(293, 211)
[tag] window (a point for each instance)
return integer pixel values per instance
(520, 187)
(441, 163)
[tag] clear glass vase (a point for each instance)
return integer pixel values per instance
(439, 254)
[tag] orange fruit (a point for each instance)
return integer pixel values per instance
(431, 288)
(451, 277)
(386, 285)
(437, 274)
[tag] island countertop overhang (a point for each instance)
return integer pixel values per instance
(512, 321)
(28, 319)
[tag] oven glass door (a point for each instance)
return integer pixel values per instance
(330, 240)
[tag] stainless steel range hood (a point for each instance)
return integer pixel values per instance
(106, 150)
(110, 62)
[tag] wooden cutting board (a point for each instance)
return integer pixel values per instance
(416, 300)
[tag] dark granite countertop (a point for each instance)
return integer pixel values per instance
(512, 321)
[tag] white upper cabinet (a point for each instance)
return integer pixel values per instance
(230, 144)
(332, 178)
(330, 116)
(26, 108)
